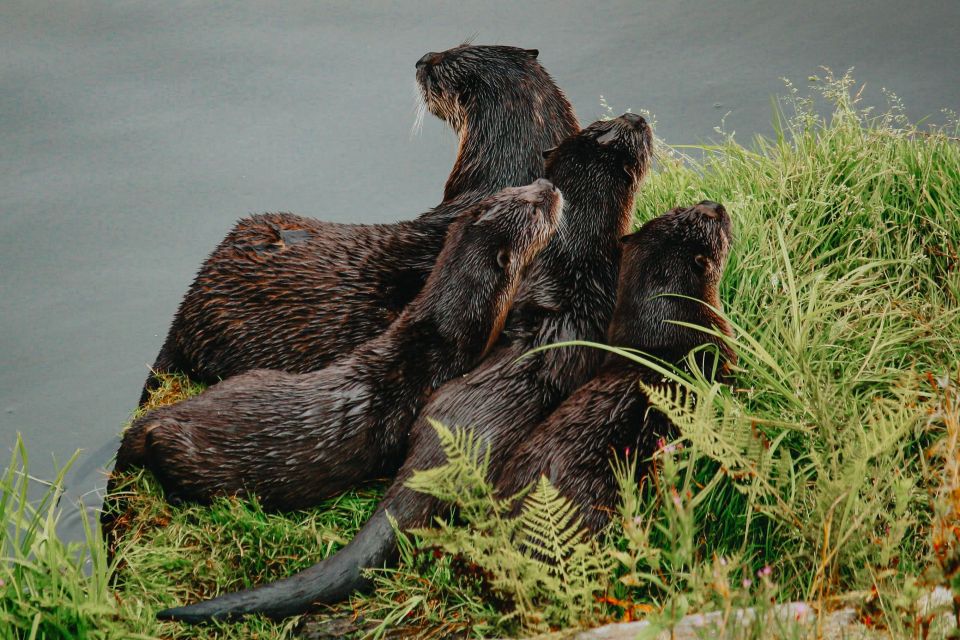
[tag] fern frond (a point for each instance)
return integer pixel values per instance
(541, 561)
(548, 524)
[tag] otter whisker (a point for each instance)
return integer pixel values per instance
(420, 111)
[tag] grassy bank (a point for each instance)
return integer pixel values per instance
(828, 472)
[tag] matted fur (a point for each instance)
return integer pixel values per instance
(671, 264)
(291, 293)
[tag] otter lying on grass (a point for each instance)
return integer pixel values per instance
(294, 439)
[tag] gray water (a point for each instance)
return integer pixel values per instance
(133, 134)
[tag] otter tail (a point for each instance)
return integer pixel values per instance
(328, 581)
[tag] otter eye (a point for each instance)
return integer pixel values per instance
(503, 258)
(703, 261)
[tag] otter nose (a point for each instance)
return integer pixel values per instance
(635, 120)
(431, 58)
(711, 209)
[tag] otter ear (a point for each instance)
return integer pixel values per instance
(488, 214)
(533, 53)
(627, 238)
(548, 152)
(503, 258)
(608, 137)
(702, 260)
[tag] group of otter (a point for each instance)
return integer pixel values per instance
(337, 343)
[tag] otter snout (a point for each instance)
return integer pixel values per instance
(551, 200)
(431, 58)
(540, 191)
(711, 209)
(547, 202)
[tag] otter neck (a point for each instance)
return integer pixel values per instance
(594, 222)
(451, 324)
(519, 135)
(568, 292)
(642, 319)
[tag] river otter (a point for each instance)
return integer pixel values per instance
(568, 294)
(292, 293)
(682, 252)
(295, 439)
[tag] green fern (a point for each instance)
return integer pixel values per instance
(541, 562)
(715, 428)
(551, 531)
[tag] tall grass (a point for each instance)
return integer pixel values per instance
(48, 589)
(843, 286)
(823, 474)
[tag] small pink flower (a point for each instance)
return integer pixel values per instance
(627, 451)
(765, 572)
(747, 582)
(676, 498)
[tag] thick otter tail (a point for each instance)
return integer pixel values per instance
(328, 581)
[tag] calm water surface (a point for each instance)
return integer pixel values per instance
(133, 134)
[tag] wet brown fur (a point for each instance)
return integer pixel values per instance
(681, 253)
(295, 439)
(291, 293)
(567, 294)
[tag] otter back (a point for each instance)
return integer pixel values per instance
(295, 439)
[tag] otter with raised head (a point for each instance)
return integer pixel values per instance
(295, 439)
(567, 294)
(291, 293)
(668, 267)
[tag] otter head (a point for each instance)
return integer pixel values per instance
(483, 260)
(452, 81)
(505, 108)
(604, 162)
(692, 241)
(667, 268)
